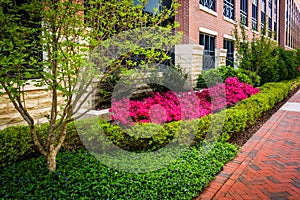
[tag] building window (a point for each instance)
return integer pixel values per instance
(263, 14)
(229, 45)
(154, 5)
(275, 19)
(211, 4)
(244, 12)
(270, 17)
(286, 23)
(209, 43)
(254, 14)
(228, 10)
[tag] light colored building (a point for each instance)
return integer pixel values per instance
(289, 19)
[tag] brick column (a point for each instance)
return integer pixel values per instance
(281, 24)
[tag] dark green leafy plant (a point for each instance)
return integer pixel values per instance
(298, 56)
(80, 176)
(287, 64)
(210, 77)
(174, 77)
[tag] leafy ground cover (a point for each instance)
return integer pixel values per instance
(80, 175)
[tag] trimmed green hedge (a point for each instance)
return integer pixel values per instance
(16, 142)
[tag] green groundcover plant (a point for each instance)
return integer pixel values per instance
(80, 176)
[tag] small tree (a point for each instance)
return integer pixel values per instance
(259, 55)
(58, 29)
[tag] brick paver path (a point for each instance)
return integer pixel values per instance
(268, 165)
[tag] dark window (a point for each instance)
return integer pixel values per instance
(244, 12)
(263, 14)
(209, 43)
(254, 14)
(155, 5)
(229, 45)
(275, 19)
(211, 4)
(270, 17)
(228, 10)
(287, 24)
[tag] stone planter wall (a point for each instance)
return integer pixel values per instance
(38, 103)
(190, 58)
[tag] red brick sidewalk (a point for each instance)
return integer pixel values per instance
(267, 166)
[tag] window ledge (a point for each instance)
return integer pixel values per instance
(256, 32)
(229, 20)
(229, 37)
(246, 27)
(209, 11)
(208, 31)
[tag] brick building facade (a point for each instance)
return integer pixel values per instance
(210, 23)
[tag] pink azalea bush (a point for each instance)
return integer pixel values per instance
(160, 108)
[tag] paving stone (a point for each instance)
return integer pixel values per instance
(268, 165)
(271, 178)
(254, 167)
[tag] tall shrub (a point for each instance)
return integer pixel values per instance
(259, 55)
(287, 64)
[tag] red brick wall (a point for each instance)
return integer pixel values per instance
(183, 19)
(199, 18)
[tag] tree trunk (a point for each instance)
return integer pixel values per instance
(53, 150)
(51, 161)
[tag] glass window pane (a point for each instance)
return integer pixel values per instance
(201, 39)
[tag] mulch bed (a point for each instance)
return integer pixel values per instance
(243, 137)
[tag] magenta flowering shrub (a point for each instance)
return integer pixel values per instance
(166, 107)
(237, 91)
(159, 108)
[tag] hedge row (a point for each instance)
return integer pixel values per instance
(16, 142)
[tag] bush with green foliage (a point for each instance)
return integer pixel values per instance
(298, 56)
(174, 77)
(17, 144)
(255, 79)
(263, 56)
(80, 176)
(210, 77)
(287, 64)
